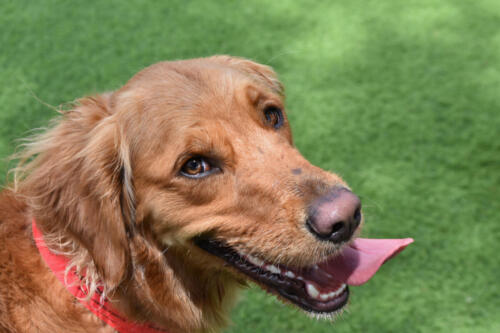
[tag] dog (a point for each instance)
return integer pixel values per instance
(146, 209)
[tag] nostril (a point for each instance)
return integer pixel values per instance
(340, 232)
(357, 216)
(337, 227)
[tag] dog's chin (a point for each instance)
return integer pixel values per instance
(309, 288)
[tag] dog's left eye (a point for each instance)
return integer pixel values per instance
(196, 167)
(274, 116)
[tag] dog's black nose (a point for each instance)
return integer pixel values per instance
(335, 215)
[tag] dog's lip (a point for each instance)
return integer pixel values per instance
(308, 288)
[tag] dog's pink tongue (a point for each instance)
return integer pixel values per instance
(362, 259)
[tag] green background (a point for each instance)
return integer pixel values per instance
(401, 98)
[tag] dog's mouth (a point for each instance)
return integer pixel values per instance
(321, 288)
(307, 288)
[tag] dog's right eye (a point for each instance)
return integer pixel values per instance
(274, 116)
(197, 167)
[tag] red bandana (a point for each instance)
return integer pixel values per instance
(103, 310)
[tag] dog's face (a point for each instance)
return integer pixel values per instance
(216, 175)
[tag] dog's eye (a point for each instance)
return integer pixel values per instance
(196, 167)
(274, 116)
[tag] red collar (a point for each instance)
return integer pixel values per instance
(103, 310)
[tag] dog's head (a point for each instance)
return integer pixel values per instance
(186, 180)
(219, 171)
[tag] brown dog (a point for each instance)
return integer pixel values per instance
(166, 196)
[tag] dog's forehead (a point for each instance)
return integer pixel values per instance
(169, 100)
(189, 82)
(187, 90)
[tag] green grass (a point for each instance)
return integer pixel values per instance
(402, 98)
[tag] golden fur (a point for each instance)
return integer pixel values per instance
(104, 186)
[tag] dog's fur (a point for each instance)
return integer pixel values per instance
(104, 186)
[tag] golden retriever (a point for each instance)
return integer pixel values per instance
(165, 197)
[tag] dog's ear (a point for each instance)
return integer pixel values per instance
(80, 187)
(261, 73)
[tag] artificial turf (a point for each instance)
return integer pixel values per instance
(401, 98)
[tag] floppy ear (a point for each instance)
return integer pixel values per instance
(80, 187)
(262, 73)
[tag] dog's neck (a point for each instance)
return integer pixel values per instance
(168, 288)
(97, 303)
(165, 290)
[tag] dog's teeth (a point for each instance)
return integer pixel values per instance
(340, 290)
(255, 261)
(289, 274)
(300, 278)
(312, 291)
(324, 297)
(273, 269)
(337, 292)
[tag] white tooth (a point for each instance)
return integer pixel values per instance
(339, 291)
(255, 261)
(312, 291)
(290, 274)
(324, 297)
(273, 269)
(331, 295)
(300, 278)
